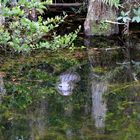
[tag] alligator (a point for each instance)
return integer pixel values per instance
(67, 82)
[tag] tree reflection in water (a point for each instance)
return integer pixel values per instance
(98, 88)
(2, 87)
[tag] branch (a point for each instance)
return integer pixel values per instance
(108, 21)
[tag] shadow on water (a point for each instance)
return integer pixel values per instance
(89, 94)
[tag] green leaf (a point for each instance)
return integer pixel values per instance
(119, 18)
(125, 19)
(136, 19)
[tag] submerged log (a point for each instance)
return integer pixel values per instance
(97, 14)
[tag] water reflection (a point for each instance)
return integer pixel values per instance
(67, 81)
(51, 116)
(98, 88)
(37, 120)
(2, 87)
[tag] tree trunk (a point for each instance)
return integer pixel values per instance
(97, 14)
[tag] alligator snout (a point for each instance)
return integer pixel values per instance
(67, 82)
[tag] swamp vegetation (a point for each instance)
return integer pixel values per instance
(59, 82)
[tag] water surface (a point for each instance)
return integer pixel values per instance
(84, 94)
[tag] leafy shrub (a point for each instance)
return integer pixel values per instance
(20, 33)
(133, 15)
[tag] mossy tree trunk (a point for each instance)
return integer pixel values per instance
(98, 13)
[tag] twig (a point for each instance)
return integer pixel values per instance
(113, 22)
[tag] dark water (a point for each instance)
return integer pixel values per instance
(78, 94)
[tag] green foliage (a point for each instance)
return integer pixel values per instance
(20, 34)
(136, 17)
(133, 15)
(124, 16)
(103, 25)
(112, 3)
(60, 41)
(4, 36)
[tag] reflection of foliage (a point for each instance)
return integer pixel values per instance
(136, 17)
(122, 117)
(125, 72)
(29, 79)
(136, 67)
(24, 89)
(115, 73)
(133, 16)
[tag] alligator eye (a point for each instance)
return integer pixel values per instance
(60, 86)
